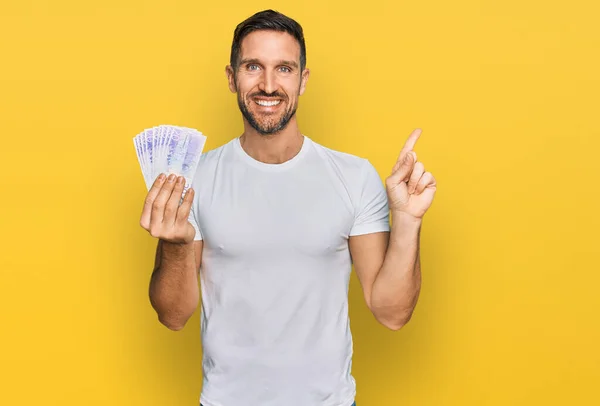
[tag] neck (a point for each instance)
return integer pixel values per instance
(275, 148)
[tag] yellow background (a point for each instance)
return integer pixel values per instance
(506, 93)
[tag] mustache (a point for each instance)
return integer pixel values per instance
(266, 95)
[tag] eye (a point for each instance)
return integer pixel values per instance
(252, 66)
(286, 69)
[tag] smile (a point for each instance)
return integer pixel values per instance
(266, 103)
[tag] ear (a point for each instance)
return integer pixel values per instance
(231, 78)
(303, 80)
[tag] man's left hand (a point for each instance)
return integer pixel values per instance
(410, 189)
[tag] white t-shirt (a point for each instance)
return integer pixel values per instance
(275, 273)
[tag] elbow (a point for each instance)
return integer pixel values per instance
(396, 326)
(171, 323)
(395, 323)
(174, 326)
(172, 316)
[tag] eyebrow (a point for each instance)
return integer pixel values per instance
(281, 62)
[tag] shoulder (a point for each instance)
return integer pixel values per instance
(213, 156)
(352, 168)
(208, 165)
(212, 160)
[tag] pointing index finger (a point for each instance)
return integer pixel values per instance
(410, 143)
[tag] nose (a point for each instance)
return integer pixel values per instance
(268, 83)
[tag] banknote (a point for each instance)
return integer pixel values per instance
(169, 149)
(194, 148)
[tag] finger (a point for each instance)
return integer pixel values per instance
(416, 174)
(158, 207)
(427, 180)
(183, 212)
(399, 163)
(412, 139)
(173, 203)
(409, 145)
(404, 170)
(152, 193)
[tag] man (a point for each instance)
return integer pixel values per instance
(271, 226)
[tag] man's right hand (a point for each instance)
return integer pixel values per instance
(162, 215)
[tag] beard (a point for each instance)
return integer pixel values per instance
(267, 124)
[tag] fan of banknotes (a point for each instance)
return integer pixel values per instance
(169, 149)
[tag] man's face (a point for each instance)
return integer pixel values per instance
(268, 80)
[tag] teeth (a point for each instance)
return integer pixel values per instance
(268, 103)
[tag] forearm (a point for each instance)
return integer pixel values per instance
(174, 284)
(398, 283)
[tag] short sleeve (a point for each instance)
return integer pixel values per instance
(192, 218)
(372, 214)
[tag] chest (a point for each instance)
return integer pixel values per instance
(276, 216)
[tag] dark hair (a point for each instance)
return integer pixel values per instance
(266, 20)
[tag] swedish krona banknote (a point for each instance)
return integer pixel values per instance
(169, 149)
